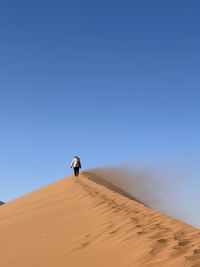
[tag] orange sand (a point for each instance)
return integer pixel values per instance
(78, 222)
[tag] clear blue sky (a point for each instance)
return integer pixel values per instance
(109, 81)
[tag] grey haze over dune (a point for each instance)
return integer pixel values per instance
(166, 190)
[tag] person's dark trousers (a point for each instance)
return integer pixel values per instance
(76, 171)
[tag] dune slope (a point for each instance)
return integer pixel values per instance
(78, 222)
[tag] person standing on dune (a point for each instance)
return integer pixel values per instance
(76, 164)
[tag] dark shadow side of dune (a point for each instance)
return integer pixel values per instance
(1, 203)
(99, 179)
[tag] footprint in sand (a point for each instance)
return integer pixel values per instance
(179, 235)
(113, 232)
(84, 242)
(183, 243)
(162, 241)
(140, 232)
(195, 255)
(196, 251)
(158, 247)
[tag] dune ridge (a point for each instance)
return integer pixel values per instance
(80, 222)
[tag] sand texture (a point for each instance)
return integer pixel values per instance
(79, 222)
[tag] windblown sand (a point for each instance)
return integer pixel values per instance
(78, 222)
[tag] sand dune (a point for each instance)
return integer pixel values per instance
(1, 203)
(79, 222)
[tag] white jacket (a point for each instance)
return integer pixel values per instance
(76, 162)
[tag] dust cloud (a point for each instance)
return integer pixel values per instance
(166, 190)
